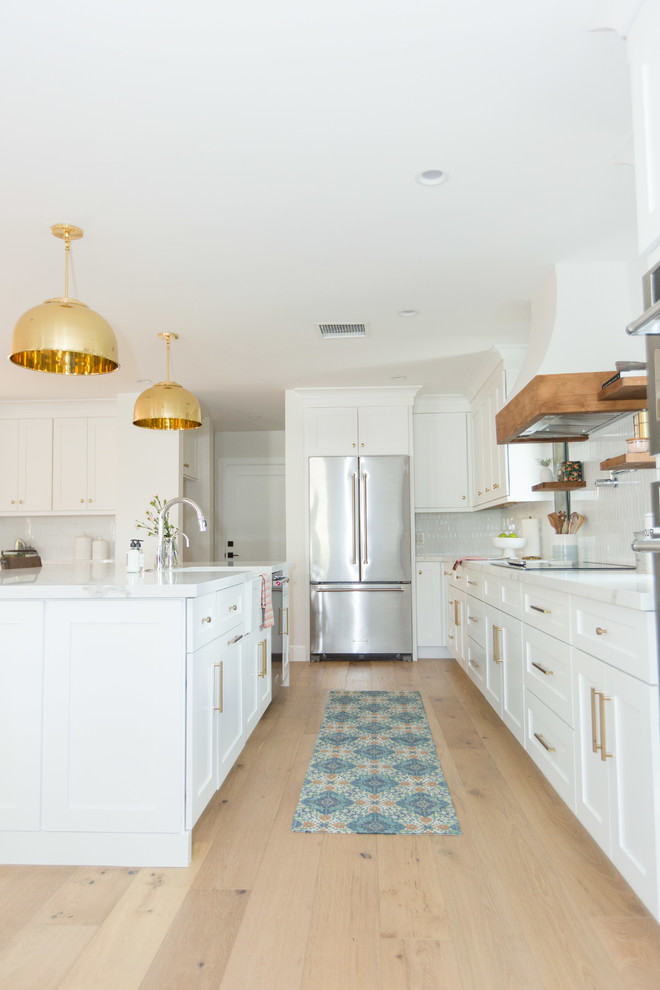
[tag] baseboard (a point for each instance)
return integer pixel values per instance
(433, 653)
(298, 654)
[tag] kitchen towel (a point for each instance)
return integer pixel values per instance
(531, 530)
(266, 602)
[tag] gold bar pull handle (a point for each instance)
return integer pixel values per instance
(544, 670)
(546, 746)
(538, 608)
(496, 646)
(218, 707)
(285, 632)
(594, 734)
(604, 755)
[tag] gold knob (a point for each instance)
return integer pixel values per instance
(232, 608)
(186, 465)
(82, 499)
(478, 493)
(20, 501)
(488, 489)
(496, 486)
(13, 501)
(463, 497)
(600, 632)
(354, 445)
(362, 445)
(207, 618)
(89, 500)
(419, 572)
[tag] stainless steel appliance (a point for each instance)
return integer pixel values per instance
(360, 557)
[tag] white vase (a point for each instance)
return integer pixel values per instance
(545, 475)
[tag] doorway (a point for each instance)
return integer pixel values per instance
(253, 509)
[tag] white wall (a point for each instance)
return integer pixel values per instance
(147, 465)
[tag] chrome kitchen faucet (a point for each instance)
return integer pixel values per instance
(163, 560)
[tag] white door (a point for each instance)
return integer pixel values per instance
(253, 510)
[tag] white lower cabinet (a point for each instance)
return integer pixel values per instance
(114, 716)
(21, 690)
(428, 589)
(504, 686)
(575, 679)
(231, 736)
(617, 760)
(550, 743)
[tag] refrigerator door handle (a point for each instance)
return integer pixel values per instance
(329, 589)
(364, 527)
(356, 529)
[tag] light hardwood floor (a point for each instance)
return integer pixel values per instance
(522, 900)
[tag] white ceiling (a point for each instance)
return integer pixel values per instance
(244, 170)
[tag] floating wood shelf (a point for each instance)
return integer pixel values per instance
(633, 387)
(628, 462)
(559, 486)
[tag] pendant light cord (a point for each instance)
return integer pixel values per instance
(67, 248)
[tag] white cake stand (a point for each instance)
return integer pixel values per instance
(509, 545)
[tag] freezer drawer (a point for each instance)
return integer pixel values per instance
(361, 620)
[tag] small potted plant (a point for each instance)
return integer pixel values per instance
(546, 471)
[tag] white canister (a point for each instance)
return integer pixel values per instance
(565, 546)
(82, 548)
(100, 550)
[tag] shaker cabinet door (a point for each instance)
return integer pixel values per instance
(114, 716)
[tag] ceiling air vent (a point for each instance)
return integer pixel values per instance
(342, 329)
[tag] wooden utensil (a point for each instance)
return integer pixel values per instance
(562, 521)
(554, 521)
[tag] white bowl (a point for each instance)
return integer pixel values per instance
(509, 544)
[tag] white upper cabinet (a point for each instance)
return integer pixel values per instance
(644, 55)
(344, 430)
(26, 457)
(190, 467)
(500, 473)
(84, 464)
(441, 461)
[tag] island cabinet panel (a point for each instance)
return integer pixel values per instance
(114, 716)
(21, 681)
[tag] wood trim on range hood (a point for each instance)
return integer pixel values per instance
(560, 409)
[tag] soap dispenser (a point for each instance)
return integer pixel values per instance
(134, 557)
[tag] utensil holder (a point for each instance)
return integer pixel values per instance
(564, 546)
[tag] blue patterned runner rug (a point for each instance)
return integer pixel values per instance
(375, 770)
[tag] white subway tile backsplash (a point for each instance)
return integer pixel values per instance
(53, 536)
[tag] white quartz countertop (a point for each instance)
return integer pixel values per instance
(628, 588)
(91, 579)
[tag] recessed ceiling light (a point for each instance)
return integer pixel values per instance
(408, 312)
(399, 378)
(432, 177)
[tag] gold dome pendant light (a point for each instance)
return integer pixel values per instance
(64, 336)
(166, 405)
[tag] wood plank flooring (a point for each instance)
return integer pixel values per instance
(522, 900)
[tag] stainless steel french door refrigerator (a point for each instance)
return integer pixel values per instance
(360, 557)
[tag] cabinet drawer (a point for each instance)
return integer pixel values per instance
(231, 607)
(547, 610)
(475, 620)
(476, 663)
(551, 744)
(623, 637)
(491, 589)
(511, 596)
(202, 621)
(547, 664)
(474, 583)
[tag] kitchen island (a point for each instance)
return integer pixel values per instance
(124, 701)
